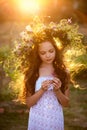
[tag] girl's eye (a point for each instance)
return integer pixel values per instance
(42, 53)
(51, 51)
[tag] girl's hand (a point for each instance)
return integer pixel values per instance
(45, 84)
(57, 84)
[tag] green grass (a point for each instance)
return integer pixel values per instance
(76, 114)
(13, 121)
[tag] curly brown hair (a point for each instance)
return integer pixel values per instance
(32, 73)
(26, 55)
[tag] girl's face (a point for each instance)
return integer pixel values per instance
(46, 52)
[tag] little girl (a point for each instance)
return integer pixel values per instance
(46, 87)
(46, 79)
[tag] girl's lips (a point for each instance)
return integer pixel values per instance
(48, 59)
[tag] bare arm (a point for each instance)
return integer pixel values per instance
(63, 98)
(32, 100)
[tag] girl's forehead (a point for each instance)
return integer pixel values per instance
(45, 45)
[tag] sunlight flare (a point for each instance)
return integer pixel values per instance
(31, 6)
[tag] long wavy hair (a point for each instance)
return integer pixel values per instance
(32, 73)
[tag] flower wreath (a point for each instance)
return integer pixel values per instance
(64, 32)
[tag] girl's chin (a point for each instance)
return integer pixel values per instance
(49, 62)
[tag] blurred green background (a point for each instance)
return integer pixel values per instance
(14, 16)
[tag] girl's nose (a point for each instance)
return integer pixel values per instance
(47, 55)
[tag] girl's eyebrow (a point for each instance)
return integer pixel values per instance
(42, 51)
(45, 51)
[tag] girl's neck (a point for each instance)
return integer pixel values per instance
(46, 65)
(46, 69)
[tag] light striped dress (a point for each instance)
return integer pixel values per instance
(47, 113)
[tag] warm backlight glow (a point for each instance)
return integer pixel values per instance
(29, 6)
(58, 42)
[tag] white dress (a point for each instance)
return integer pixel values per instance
(47, 113)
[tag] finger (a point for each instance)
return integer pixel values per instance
(44, 87)
(47, 81)
(56, 80)
(57, 85)
(46, 84)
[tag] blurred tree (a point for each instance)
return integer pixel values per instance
(80, 10)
